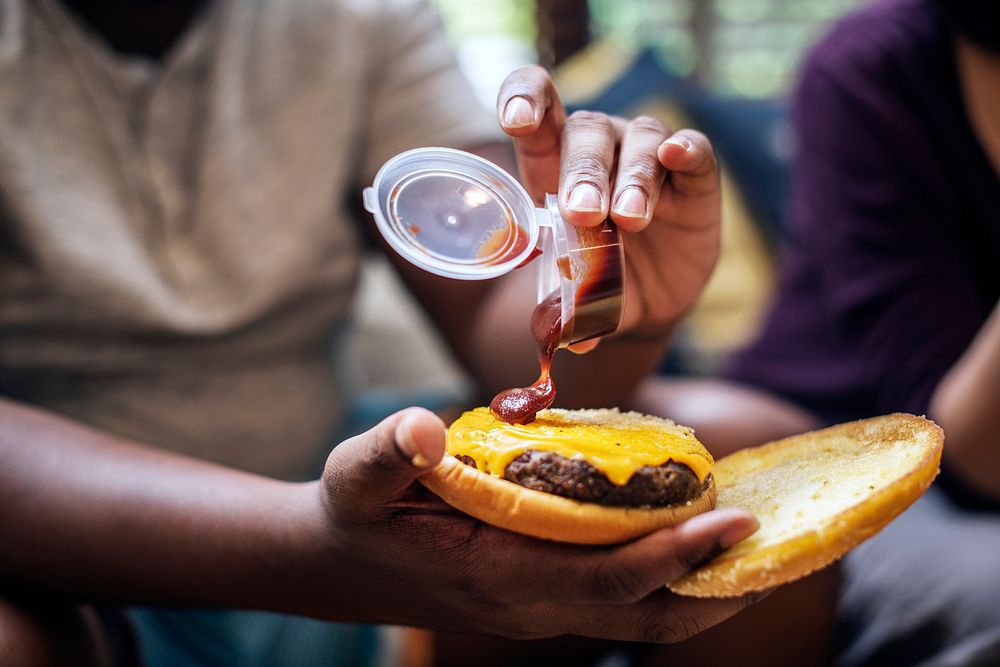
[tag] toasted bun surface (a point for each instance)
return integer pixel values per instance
(817, 496)
(508, 505)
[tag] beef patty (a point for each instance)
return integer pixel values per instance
(650, 486)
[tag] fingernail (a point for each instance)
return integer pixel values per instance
(680, 141)
(632, 203)
(518, 113)
(408, 444)
(585, 198)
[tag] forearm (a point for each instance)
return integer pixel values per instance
(609, 375)
(967, 406)
(89, 516)
(725, 415)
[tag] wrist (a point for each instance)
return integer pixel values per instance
(295, 550)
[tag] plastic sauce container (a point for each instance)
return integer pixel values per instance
(457, 215)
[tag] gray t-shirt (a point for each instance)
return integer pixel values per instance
(174, 251)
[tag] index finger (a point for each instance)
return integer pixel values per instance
(634, 570)
(530, 111)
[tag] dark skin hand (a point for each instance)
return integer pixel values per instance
(619, 162)
(659, 186)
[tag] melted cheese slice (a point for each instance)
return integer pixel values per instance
(615, 443)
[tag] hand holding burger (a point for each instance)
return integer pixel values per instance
(400, 555)
(605, 477)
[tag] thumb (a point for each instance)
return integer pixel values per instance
(376, 467)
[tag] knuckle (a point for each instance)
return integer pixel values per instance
(385, 455)
(471, 564)
(333, 478)
(589, 167)
(528, 623)
(645, 169)
(660, 628)
(594, 121)
(648, 124)
(338, 483)
(688, 626)
(476, 585)
(612, 582)
(655, 630)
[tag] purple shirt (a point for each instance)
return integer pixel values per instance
(894, 262)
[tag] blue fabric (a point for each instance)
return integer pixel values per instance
(644, 79)
(754, 138)
(227, 638)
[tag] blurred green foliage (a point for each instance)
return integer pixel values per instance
(469, 19)
(749, 48)
(742, 47)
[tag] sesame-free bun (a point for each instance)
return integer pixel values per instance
(508, 505)
(817, 496)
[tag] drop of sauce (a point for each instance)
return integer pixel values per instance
(520, 404)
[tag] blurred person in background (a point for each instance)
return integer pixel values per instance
(889, 302)
(175, 260)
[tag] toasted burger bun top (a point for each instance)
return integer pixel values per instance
(817, 496)
(614, 442)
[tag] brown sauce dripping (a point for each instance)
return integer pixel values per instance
(520, 404)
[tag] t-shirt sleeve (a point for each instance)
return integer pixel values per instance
(418, 96)
(898, 289)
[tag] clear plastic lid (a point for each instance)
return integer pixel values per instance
(457, 215)
(453, 213)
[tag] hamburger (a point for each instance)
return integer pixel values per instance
(582, 476)
(604, 477)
